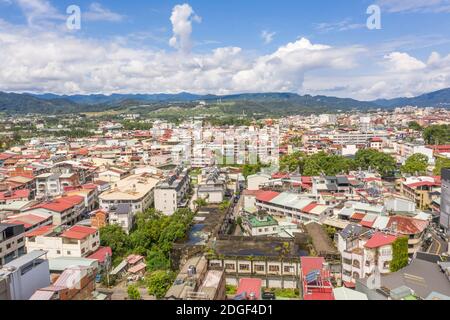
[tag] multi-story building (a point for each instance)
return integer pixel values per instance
(77, 241)
(48, 185)
(136, 191)
(65, 210)
(260, 225)
(418, 189)
(445, 201)
(12, 243)
(298, 208)
(364, 250)
(20, 278)
(171, 193)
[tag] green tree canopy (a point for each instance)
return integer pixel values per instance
(133, 293)
(113, 236)
(399, 254)
(415, 126)
(437, 134)
(321, 162)
(441, 163)
(159, 282)
(417, 163)
(371, 158)
(293, 162)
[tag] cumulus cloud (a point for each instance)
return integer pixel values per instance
(182, 17)
(51, 60)
(400, 61)
(267, 36)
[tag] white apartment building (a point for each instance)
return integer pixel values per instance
(171, 193)
(355, 137)
(20, 278)
(363, 251)
(48, 185)
(136, 191)
(77, 241)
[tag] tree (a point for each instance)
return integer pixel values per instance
(224, 206)
(399, 254)
(133, 293)
(157, 260)
(416, 164)
(437, 134)
(413, 125)
(293, 162)
(113, 236)
(371, 158)
(159, 282)
(441, 163)
(200, 202)
(328, 164)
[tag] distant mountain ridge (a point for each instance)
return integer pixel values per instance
(15, 103)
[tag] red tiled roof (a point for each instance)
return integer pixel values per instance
(406, 225)
(280, 175)
(309, 207)
(309, 264)
(61, 204)
(17, 194)
(380, 239)
(78, 232)
(358, 216)
(249, 286)
(4, 156)
(40, 231)
(367, 224)
(423, 184)
(267, 196)
(100, 254)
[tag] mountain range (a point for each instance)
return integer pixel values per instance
(15, 103)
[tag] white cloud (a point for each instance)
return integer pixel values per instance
(267, 36)
(52, 60)
(400, 61)
(344, 25)
(99, 13)
(435, 6)
(182, 18)
(38, 11)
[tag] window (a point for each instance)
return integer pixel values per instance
(58, 251)
(8, 246)
(274, 268)
(288, 269)
(244, 267)
(230, 267)
(69, 253)
(259, 268)
(20, 240)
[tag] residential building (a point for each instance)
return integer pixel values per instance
(48, 185)
(20, 278)
(171, 193)
(260, 224)
(76, 241)
(12, 244)
(445, 201)
(136, 191)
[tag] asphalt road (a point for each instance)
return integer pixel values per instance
(438, 246)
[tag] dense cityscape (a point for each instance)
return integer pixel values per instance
(224, 158)
(195, 211)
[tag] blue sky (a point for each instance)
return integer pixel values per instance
(315, 47)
